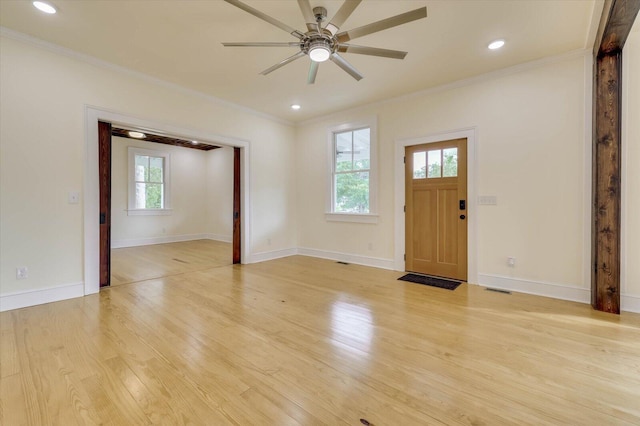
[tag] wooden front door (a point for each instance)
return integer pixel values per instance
(436, 208)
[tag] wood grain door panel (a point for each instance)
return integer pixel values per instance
(436, 227)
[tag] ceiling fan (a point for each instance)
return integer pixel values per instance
(325, 42)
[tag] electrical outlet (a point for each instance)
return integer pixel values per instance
(22, 273)
(74, 197)
(511, 261)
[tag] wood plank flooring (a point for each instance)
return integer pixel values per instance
(140, 263)
(308, 341)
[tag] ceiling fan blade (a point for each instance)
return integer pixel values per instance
(313, 71)
(262, 44)
(372, 51)
(283, 63)
(384, 24)
(307, 13)
(342, 63)
(265, 17)
(342, 15)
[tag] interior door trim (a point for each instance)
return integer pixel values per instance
(399, 170)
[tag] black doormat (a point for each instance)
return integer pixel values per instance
(432, 281)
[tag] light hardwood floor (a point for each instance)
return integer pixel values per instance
(133, 264)
(308, 341)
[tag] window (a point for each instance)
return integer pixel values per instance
(149, 190)
(352, 188)
(435, 164)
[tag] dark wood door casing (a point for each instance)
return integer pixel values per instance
(237, 207)
(615, 25)
(104, 173)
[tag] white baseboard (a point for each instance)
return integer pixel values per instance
(629, 303)
(539, 288)
(27, 298)
(349, 258)
(272, 255)
(218, 237)
(135, 242)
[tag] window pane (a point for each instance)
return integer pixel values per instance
(156, 169)
(141, 195)
(142, 168)
(149, 196)
(419, 165)
(435, 164)
(361, 149)
(154, 196)
(344, 151)
(352, 192)
(450, 167)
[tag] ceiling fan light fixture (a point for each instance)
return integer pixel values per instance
(295, 107)
(319, 52)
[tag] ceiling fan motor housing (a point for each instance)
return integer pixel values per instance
(320, 13)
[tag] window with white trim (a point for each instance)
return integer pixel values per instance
(149, 184)
(353, 172)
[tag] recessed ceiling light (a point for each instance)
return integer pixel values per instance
(137, 135)
(295, 106)
(194, 142)
(496, 44)
(44, 7)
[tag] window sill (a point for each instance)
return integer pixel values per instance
(352, 217)
(149, 212)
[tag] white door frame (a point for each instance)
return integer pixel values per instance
(472, 220)
(92, 189)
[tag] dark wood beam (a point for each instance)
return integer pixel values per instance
(237, 207)
(616, 22)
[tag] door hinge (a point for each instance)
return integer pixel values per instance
(404, 160)
(405, 209)
(405, 256)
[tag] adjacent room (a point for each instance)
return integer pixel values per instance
(358, 212)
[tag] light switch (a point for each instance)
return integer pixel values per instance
(74, 197)
(487, 200)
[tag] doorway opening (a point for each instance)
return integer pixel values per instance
(95, 246)
(143, 234)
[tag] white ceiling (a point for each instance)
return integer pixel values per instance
(180, 42)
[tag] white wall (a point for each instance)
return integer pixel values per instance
(219, 194)
(201, 196)
(42, 140)
(532, 144)
(631, 169)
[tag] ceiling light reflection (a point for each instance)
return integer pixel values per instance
(352, 328)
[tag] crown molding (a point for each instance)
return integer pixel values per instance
(60, 50)
(579, 53)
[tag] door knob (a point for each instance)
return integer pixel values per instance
(462, 217)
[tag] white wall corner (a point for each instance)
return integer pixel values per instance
(135, 242)
(28, 298)
(374, 262)
(629, 303)
(272, 255)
